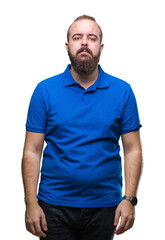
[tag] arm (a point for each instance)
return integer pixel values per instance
(132, 170)
(30, 173)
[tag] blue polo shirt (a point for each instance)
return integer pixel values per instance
(81, 164)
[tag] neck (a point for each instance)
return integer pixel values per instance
(85, 80)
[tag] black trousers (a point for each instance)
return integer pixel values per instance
(69, 223)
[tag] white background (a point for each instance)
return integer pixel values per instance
(32, 48)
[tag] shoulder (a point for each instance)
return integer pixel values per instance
(117, 85)
(117, 82)
(51, 82)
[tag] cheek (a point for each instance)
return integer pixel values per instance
(74, 48)
(95, 50)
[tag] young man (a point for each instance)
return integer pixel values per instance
(81, 115)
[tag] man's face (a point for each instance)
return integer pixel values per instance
(84, 46)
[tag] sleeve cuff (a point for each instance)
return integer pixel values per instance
(131, 129)
(30, 129)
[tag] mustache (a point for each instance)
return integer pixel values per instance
(86, 49)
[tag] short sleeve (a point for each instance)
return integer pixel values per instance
(36, 117)
(130, 117)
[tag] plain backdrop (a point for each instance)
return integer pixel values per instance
(32, 48)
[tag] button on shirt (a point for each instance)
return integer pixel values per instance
(81, 164)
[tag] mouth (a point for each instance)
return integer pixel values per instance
(84, 51)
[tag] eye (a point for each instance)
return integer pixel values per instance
(92, 38)
(76, 38)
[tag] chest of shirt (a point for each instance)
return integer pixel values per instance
(75, 110)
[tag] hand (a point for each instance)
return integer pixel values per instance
(126, 212)
(35, 219)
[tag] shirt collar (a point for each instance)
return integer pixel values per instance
(101, 82)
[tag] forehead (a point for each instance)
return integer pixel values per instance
(84, 26)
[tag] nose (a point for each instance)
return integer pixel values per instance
(84, 41)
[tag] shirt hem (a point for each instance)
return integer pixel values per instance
(81, 204)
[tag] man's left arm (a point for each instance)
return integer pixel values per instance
(125, 211)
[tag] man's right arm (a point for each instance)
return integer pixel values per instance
(34, 217)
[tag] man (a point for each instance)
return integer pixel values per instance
(81, 115)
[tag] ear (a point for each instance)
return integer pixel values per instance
(101, 47)
(67, 46)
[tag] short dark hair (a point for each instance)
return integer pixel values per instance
(85, 17)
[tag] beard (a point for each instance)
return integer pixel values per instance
(86, 66)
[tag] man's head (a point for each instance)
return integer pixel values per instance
(84, 44)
